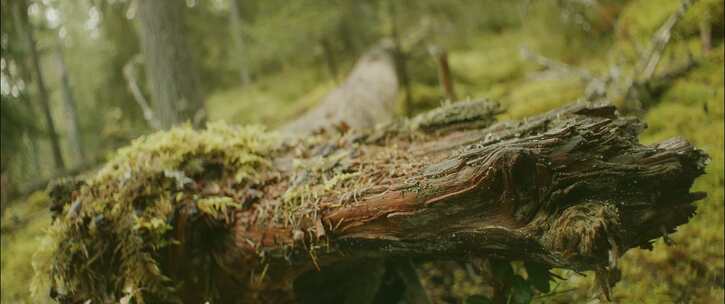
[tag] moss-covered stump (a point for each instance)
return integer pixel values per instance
(237, 214)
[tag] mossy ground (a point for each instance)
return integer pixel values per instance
(23, 226)
(691, 270)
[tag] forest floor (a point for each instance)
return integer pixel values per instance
(690, 270)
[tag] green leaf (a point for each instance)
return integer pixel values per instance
(478, 299)
(521, 292)
(539, 276)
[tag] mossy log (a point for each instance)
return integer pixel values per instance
(236, 215)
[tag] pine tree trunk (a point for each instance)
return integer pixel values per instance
(235, 27)
(173, 79)
(69, 102)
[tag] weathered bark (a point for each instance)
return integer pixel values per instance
(566, 189)
(173, 79)
(571, 188)
(20, 14)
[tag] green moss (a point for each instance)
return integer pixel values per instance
(110, 238)
(23, 225)
(479, 113)
(217, 206)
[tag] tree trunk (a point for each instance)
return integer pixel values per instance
(400, 57)
(571, 188)
(173, 79)
(235, 28)
(367, 97)
(20, 14)
(74, 133)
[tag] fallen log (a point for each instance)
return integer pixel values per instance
(238, 215)
(367, 96)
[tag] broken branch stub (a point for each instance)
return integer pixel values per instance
(572, 188)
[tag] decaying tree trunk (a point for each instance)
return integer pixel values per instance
(571, 188)
(567, 189)
(366, 97)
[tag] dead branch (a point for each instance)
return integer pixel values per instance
(440, 55)
(129, 72)
(658, 43)
(611, 86)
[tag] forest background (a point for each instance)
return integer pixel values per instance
(266, 62)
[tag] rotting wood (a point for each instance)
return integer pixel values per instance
(571, 188)
(366, 97)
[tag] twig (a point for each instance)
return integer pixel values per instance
(129, 72)
(651, 58)
(556, 65)
(596, 86)
(659, 41)
(440, 55)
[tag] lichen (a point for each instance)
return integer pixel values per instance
(479, 113)
(111, 237)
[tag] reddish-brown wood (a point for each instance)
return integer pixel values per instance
(567, 189)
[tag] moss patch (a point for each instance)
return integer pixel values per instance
(113, 230)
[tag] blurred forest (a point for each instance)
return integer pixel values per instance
(77, 85)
